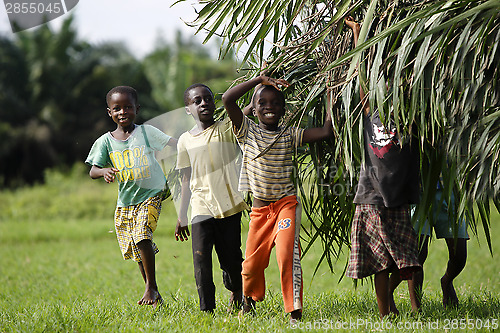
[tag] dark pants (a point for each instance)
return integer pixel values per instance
(225, 235)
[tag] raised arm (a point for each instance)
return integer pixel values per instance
(232, 95)
(355, 27)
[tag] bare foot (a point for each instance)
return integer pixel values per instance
(392, 306)
(235, 301)
(248, 306)
(295, 315)
(150, 297)
(450, 298)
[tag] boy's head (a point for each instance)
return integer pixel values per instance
(123, 90)
(199, 102)
(268, 106)
(122, 105)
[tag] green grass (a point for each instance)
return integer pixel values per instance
(63, 273)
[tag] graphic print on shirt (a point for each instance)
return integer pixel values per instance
(284, 224)
(382, 140)
(133, 164)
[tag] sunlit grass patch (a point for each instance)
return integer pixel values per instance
(67, 275)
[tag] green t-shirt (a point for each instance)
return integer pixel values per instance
(140, 175)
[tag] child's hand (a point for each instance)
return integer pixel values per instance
(349, 20)
(269, 81)
(181, 230)
(109, 174)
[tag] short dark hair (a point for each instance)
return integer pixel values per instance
(122, 90)
(260, 87)
(196, 85)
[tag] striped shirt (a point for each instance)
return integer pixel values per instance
(268, 177)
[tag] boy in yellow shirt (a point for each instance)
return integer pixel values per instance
(206, 158)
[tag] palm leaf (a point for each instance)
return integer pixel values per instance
(431, 66)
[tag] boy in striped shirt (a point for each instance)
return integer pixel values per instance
(275, 216)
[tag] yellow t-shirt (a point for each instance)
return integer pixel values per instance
(212, 156)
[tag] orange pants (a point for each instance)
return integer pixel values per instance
(275, 225)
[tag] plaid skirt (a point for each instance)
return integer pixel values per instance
(136, 223)
(381, 238)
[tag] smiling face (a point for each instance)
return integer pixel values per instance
(269, 107)
(122, 108)
(200, 104)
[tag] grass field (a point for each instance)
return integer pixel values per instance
(61, 271)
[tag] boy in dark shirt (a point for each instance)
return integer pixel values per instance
(382, 237)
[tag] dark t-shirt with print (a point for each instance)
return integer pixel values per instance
(389, 176)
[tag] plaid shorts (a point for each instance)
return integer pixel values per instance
(136, 223)
(381, 238)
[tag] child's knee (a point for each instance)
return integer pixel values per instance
(144, 244)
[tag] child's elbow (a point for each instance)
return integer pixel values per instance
(328, 129)
(228, 98)
(225, 98)
(93, 174)
(328, 133)
(172, 142)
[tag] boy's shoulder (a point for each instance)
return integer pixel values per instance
(150, 129)
(185, 136)
(103, 137)
(225, 120)
(147, 127)
(224, 123)
(220, 123)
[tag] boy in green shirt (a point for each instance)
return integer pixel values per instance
(127, 154)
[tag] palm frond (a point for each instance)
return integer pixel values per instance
(432, 66)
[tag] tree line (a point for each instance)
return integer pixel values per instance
(53, 87)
